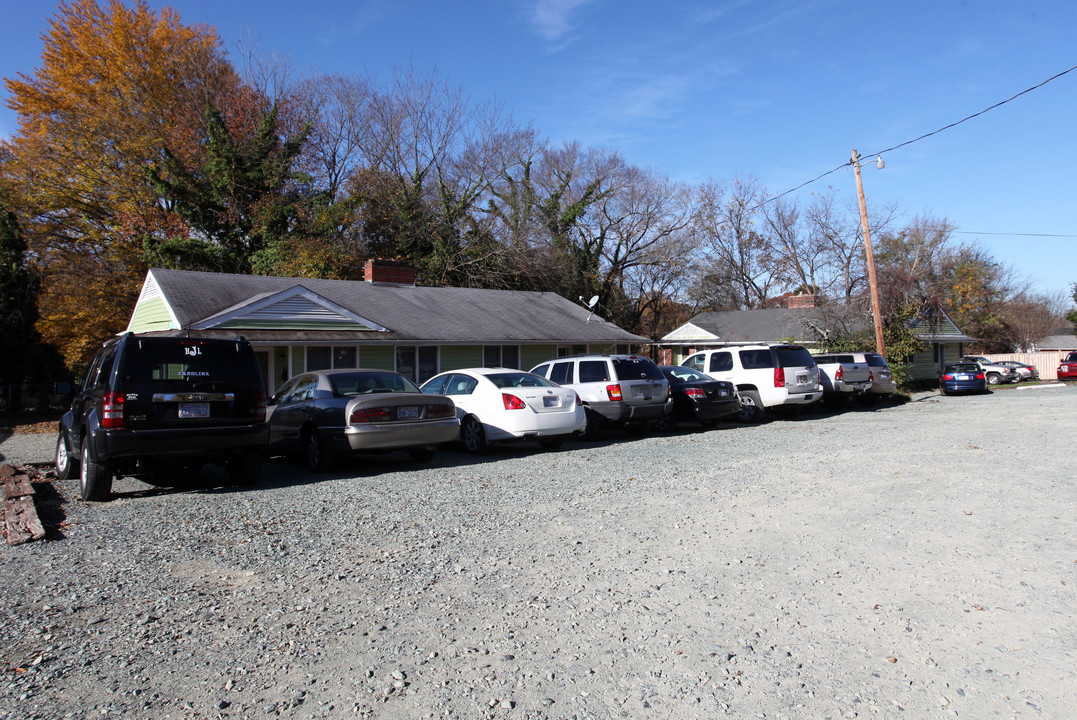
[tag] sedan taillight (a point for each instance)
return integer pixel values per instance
(947, 376)
(441, 410)
(512, 402)
(362, 415)
(695, 393)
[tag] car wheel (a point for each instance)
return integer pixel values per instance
(243, 470)
(473, 436)
(95, 478)
(423, 455)
(551, 443)
(594, 423)
(318, 454)
(751, 407)
(993, 379)
(665, 424)
(65, 464)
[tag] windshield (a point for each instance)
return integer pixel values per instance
(363, 383)
(684, 374)
(518, 379)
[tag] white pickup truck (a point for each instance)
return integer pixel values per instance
(842, 377)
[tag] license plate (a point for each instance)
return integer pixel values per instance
(408, 412)
(551, 401)
(722, 393)
(642, 392)
(194, 410)
(963, 377)
(802, 379)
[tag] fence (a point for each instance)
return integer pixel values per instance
(1045, 362)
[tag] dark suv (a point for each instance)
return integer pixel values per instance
(151, 403)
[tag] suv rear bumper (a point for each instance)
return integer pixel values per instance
(622, 412)
(115, 443)
(802, 398)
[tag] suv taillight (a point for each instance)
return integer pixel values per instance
(779, 377)
(113, 410)
(260, 407)
(614, 392)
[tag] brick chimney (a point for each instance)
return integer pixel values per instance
(388, 272)
(800, 302)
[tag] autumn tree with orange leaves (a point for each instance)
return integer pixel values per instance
(117, 85)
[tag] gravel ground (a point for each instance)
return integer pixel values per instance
(905, 561)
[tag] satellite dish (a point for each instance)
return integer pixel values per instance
(590, 306)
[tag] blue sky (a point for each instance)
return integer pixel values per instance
(781, 90)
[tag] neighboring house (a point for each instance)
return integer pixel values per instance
(806, 326)
(1063, 339)
(386, 321)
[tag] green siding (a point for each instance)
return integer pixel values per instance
(382, 357)
(299, 359)
(151, 315)
(532, 355)
(454, 357)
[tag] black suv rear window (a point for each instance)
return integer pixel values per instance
(636, 368)
(187, 361)
(794, 356)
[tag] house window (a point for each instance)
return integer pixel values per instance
(344, 357)
(506, 356)
(417, 362)
(567, 350)
(319, 358)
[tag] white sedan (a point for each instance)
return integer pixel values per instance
(501, 404)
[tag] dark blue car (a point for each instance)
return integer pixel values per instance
(962, 377)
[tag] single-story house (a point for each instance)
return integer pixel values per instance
(384, 321)
(805, 325)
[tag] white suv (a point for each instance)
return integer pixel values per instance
(626, 391)
(765, 375)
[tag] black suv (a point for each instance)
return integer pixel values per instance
(153, 403)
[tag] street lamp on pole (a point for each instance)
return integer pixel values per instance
(872, 282)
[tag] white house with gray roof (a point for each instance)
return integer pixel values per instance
(385, 321)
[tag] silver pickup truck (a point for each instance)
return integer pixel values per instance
(842, 377)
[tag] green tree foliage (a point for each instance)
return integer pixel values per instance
(238, 202)
(1072, 314)
(26, 359)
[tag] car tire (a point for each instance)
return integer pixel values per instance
(993, 379)
(65, 464)
(95, 478)
(751, 407)
(473, 436)
(551, 443)
(665, 424)
(594, 424)
(423, 455)
(316, 452)
(245, 469)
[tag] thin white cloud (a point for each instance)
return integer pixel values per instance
(554, 20)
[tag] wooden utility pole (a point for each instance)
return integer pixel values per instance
(872, 282)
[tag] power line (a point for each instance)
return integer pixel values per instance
(848, 163)
(1047, 235)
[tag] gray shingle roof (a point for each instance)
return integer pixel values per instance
(756, 326)
(441, 315)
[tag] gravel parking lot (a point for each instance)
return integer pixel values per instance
(911, 561)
